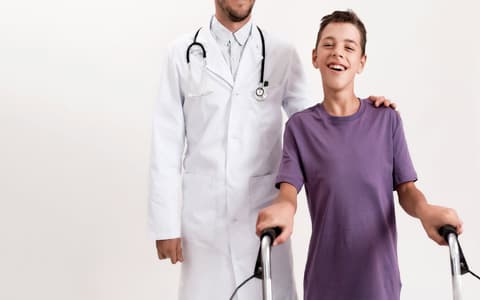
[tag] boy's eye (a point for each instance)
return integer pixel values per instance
(327, 45)
(349, 48)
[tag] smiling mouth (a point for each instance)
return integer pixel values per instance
(336, 67)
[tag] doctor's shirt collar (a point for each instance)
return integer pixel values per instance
(223, 35)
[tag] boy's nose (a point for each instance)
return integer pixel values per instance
(337, 53)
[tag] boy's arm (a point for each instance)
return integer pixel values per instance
(432, 217)
(280, 213)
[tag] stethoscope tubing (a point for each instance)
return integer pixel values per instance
(195, 43)
(260, 92)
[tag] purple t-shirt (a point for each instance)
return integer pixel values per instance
(350, 167)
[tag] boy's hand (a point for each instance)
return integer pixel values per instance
(433, 217)
(279, 214)
(171, 248)
(381, 100)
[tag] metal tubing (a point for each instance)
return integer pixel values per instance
(455, 265)
(266, 245)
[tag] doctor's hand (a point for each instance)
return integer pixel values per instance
(171, 248)
(381, 100)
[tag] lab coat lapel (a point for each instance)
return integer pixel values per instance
(215, 61)
(250, 63)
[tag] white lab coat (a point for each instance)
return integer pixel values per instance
(224, 147)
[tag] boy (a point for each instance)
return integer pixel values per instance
(350, 159)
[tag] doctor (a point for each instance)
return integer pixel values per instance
(216, 149)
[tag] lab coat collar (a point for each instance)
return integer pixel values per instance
(215, 63)
(224, 35)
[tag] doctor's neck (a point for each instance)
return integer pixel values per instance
(232, 25)
(340, 103)
(231, 16)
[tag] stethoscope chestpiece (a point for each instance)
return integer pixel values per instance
(261, 91)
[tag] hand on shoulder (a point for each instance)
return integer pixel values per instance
(378, 101)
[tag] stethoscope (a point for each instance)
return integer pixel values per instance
(261, 90)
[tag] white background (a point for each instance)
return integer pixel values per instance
(77, 84)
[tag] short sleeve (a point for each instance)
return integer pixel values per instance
(291, 170)
(403, 170)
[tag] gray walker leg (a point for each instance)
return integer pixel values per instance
(263, 270)
(266, 245)
(264, 261)
(455, 264)
(457, 261)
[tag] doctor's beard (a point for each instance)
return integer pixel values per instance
(235, 15)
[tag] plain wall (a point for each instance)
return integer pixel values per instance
(77, 84)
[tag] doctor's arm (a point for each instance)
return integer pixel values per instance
(280, 213)
(296, 97)
(432, 217)
(168, 142)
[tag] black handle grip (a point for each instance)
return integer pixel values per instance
(445, 230)
(272, 232)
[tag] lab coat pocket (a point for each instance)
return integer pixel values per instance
(261, 191)
(266, 114)
(199, 213)
(196, 83)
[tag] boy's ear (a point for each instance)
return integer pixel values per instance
(314, 58)
(363, 61)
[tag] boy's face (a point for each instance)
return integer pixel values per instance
(339, 56)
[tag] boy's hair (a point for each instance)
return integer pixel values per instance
(347, 16)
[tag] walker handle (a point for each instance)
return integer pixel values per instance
(445, 230)
(271, 232)
(267, 237)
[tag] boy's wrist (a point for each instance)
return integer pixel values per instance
(422, 210)
(286, 203)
